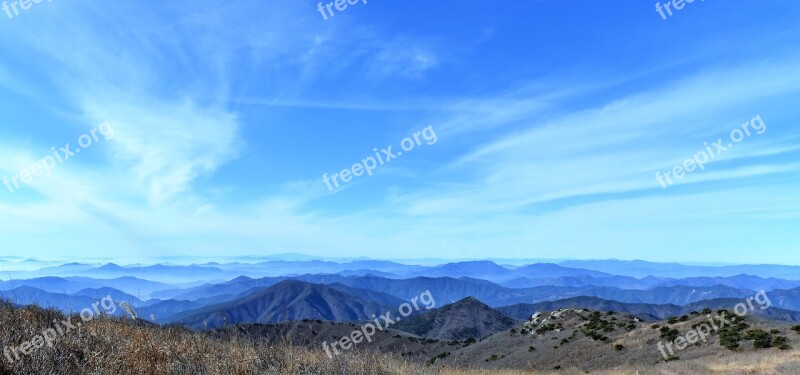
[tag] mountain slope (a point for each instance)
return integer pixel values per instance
(287, 300)
(468, 318)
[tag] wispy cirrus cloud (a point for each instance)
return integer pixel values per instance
(551, 163)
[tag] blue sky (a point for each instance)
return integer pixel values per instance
(552, 119)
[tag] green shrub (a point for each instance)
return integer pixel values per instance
(669, 334)
(729, 337)
(781, 342)
(761, 339)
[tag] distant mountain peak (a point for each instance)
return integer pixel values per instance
(468, 301)
(110, 267)
(467, 318)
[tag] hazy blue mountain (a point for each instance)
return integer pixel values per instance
(240, 284)
(540, 270)
(67, 269)
(290, 268)
(639, 268)
(478, 270)
(49, 284)
(287, 300)
(164, 311)
(229, 288)
(677, 295)
(131, 285)
(27, 295)
(444, 289)
(448, 290)
(525, 284)
(738, 281)
(785, 299)
(382, 266)
(159, 273)
(623, 282)
(98, 293)
(367, 272)
(368, 295)
(626, 282)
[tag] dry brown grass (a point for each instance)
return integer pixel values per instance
(111, 346)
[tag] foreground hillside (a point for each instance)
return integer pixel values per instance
(114, 346)
(597, 342)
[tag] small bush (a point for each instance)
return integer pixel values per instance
(669, 334)
(781, 342)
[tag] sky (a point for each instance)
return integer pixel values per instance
(541, 129)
